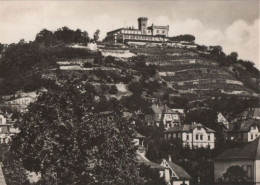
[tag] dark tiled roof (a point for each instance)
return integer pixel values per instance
(244, 125)
(187, 128)
(251, 113)
(249, 151)
(180, 172)
(138, 135)
(142, 159)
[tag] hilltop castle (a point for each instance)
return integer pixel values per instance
(152, 33)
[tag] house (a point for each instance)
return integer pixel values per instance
(248, 157)
(194, 135)
(163, 171)
(139, 139)
(248, 113)
(178, 175)
(157, 115)
(21, 103)
(244, 130)
(6, 128)
(140, 155)
(222, 120)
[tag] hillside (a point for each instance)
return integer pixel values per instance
(142, 73)
(194, 76)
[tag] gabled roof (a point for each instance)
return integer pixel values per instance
(244, 125)
(187, 128)
(249, 151)
(142, 159)
(138, 135)
(178, 170)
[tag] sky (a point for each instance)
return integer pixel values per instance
(232, 24)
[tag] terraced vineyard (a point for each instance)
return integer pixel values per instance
(193, 76)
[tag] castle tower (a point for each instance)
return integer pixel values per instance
(142, 24)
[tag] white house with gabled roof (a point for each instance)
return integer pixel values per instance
(194, 135)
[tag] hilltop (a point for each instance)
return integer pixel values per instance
(185, 74)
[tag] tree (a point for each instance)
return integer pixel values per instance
(113, 90)
(96, 35)
(235, 174)
(68, 142)
(1, 47)
(187, 37)
(13, 170)
(46, 37)
(151, 176)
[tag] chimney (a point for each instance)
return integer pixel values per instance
(169, 158)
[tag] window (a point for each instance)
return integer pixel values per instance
(0, 120)
(208, 137)
(157, 31)
(163, 31)
(249, 171)
(201, 137)
(252, 136)
(188, 137)
(197, 137)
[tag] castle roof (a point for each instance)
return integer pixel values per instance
(249, 151)
(187, 128)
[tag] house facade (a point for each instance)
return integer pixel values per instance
(20, 104)
(244, 130)
(247, 157)
(157, 115)
(6, 128)
(193, 136)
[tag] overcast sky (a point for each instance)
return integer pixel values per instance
(232, 24)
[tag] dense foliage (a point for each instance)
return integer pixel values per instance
(235, 174)
(67, 140)
(62, 35)
(187, 38)
(151, 176)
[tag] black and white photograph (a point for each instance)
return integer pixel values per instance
(149, 92)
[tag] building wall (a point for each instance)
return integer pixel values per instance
(257, 171)
(190, 139)
(178, 182)
(171, 120)
(222, 119)
(252, 134)
(203, 139)
(220, 167)
(160, 31)
(2, 119)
